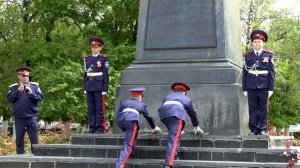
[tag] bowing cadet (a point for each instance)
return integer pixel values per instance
(258, 82)
(95, 83)
(24, 97)
(173, 114)
(128, 119)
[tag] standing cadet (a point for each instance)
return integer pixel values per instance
(258, 82)
(95, 81)
(172, 114)
(25, 96)
(128, 119)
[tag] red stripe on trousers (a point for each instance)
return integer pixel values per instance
(171, 160)
(133, 136)
(104, 112)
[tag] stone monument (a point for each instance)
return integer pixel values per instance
(197, 42)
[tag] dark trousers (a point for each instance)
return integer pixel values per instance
(131, 132)
(258, 110)
(31, 126)
(96, 118)
(175, 126)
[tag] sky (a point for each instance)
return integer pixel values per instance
(293, 5)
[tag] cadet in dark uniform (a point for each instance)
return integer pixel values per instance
(25, 96)
(172, 114)
(95, 81)
(128, 119)
(258, 82)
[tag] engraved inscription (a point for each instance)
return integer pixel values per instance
(180, 24)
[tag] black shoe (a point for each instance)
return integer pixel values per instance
(262, 133)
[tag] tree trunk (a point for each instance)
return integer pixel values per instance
(49, 29)
(249, 24)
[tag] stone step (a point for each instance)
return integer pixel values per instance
(27, 161)
(158, 152)
(188, 141)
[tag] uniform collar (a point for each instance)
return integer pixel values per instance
(259, 51)
(95, 55)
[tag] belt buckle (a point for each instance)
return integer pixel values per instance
(255, 72)
(91, 74)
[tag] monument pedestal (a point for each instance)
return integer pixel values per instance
(216, 94)
(193, 42)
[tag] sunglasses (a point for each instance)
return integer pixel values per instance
(24, 75)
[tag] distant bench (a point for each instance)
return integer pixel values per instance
(294, 128)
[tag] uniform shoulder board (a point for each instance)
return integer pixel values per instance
(104, 55)
(13, 85)
(248, 52)
(268, 51)
(35, 83)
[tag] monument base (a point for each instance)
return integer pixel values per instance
(217, 97)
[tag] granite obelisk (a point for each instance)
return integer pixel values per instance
(197, 42)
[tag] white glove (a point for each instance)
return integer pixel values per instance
(84, 92)
(182, 132)
(198, 130)
(156, 130)
(104, 93)
(270, 93)
(245, 93)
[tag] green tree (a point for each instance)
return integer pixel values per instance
(53, 35)
(284, 37)
(284, 106)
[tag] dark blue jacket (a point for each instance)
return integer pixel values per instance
(96, 83)
(131, 116)
(261, 81)
(175, 110)
(25, 105)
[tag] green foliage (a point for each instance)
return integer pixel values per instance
(285, 36)
(284, 106)
(53, 35)
(121, 24)
(63, 95)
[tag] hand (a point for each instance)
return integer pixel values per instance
(182, 132)
(84, 92)
(104, 93)
(270, 93)
(28, 90)
(198, 130)
(245, 93)
(156, 130)
(21, 88)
